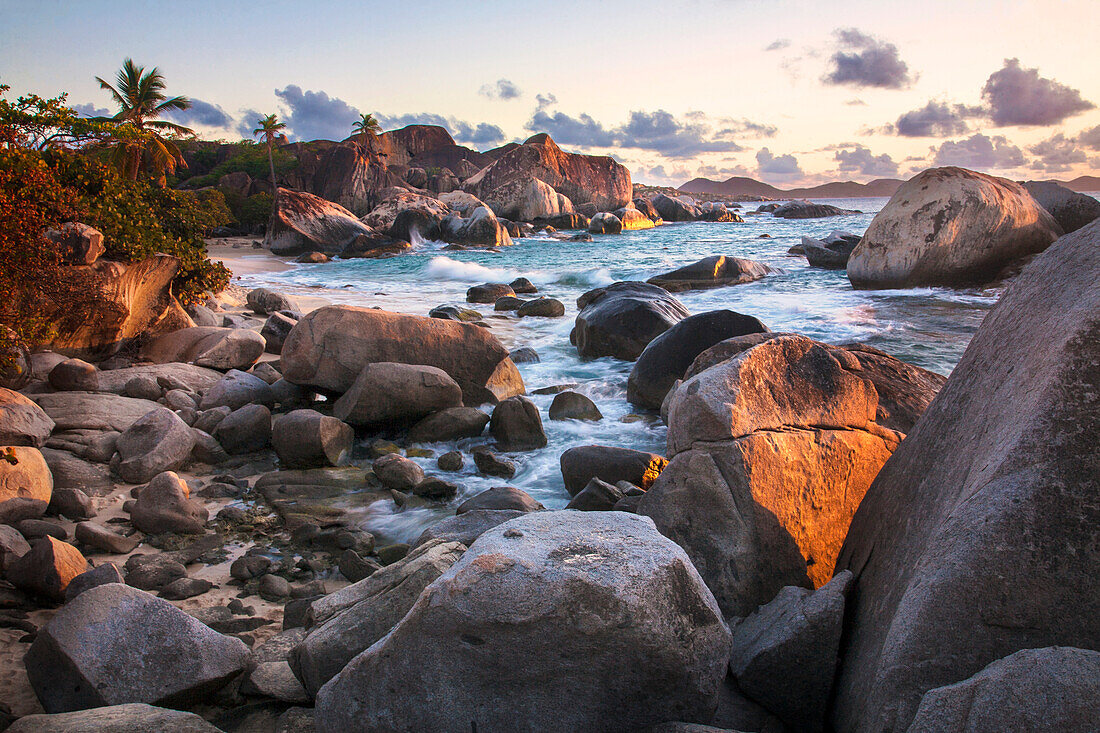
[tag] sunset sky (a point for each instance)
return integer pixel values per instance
(788, 91)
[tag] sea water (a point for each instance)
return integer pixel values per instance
(928, 327)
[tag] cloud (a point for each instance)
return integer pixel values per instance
(315, 115)
(502, 89)
(776, 166)
(979, 151)
(778, 44)
(249, 121)
(660, 174)
(1090, 138)
(201, 113)
(90, 110)
(936, 119)
(1056, 154)
(866, 61)
(866, 163)
(481, 133)
(546, 100)
(1019, 96)
(716, 173)
(659, 131)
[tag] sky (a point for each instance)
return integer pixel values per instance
(792, 92)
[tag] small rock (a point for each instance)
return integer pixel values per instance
(274, 587)
(143, 388)
(574, 406)
(165, 505)
(397, 472)
(524, 355)
(152, 572)
(492, 465)
(72, 504)
(436, 489)
(542, 307)
(74, 375)
(517, 426)
(597, 496)
(184, 588)
(248, 567)
(104, 540)
(450, 461)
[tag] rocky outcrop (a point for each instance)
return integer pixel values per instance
(328, 349)
(115, 644)
(303, 222)
(594, 608)
(138, 301)
(382, 217)
(950, 226)
(771, 452)
(522, 199)
(978, 537)
(711, 272)
(1054, 688)
(668, 356)
(1070, 209)
(481, 229)
(349, 174)
(621, 319)
(580, 178)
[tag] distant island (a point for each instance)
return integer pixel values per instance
(739, 186)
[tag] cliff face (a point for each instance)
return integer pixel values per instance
(345, 173)
(582, 178)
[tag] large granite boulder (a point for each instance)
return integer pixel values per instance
(596, 609)
(212, 347)
(711, 272)
(382, 217)
(353, 174)
(632, 219)
(666, 357)
(950, 226)
(347, 622)
(128, 718)
(265, 301)
(526, 200)
(771, 452)
(621, 319)
(22, 422)
(389, 392)
(47, 568)
(671, 209)
(605, 223)
(137, 302)
(1070, 209)
(481, 229)
(115, 644)
(808, 210)
(610, 464)
(1054, 689)
(157, 442)
(517, 426)
(237, 389)
(580, 178)
(303, 222)
(165, 505)
(978, 537)
(309, 439)
(328, 349)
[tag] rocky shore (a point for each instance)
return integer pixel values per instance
(832, 539)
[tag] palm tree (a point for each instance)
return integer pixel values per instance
(269, 128)
(364, 126)
(141, 100)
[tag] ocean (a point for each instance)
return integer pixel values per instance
(928, 327)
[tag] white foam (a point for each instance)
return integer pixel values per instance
(444, 268)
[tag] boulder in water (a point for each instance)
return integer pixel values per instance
(950, 226)
(711, 272)
(621, 319)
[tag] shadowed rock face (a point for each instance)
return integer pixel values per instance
(581, 178)
(328, 349)
(621, 319)
(303, 222)
(347, 173)
(1070, 209)
(979, 536)
(950, 226)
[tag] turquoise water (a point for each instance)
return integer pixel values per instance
(929, 327)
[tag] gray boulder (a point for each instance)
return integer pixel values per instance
(668, 356)
(74, 375)
(1048, 689)
(128, 718)
(621, 319)
(265, 301)
(115, 644)
(269, 673)
(352, 619)
(1070, 209)
(517, 426)
(711, 272)
(245, 430)
(308, 439)
(500, 497)
(785, 653)
(387, 392)
(276, 328)
(598, 610)
(808, 210)
(468, 526)
(978, 537)
(237, 389)
(451, 424)
(397, 472)
(216, 348)
(571, 405)
(165, 505)
(158, 442)
(611, 464)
